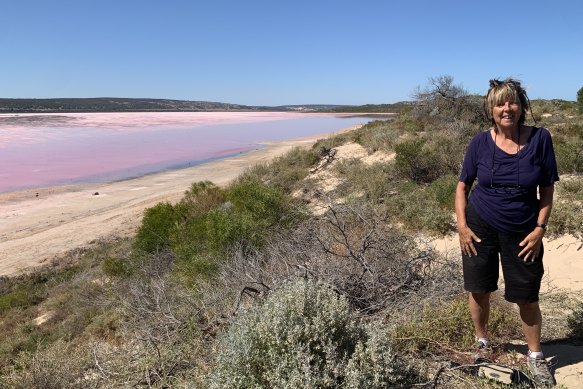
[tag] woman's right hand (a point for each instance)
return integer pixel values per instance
(467, 238)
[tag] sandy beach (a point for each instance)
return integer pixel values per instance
(39, 225)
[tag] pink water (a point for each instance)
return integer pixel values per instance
(47, 150)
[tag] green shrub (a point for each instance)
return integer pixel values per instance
(116, 267)
(443, 190)
(421, 210)
(335, 141)
(154, 232)
(449, 149)
(416, 162)
(570, 189)
(20, 298)
(567, 218)
(377, 135)
(266, 204)
(408, 123)
(570, 129)
(304, 335)
(202, 197)
(249, 213)
(569, 155)
(372, 182)
(285, 172)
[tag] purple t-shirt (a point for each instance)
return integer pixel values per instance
(506, 194)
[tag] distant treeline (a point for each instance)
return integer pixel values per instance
(384, 108)
(106, 104)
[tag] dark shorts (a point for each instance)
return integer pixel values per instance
(522, 279)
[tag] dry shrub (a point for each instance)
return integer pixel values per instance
(355, 251)
(373, 183)
(575, 322)
(159, 342)
(58, 366)
(378, 135)
(444, 327)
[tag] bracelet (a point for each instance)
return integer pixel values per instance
(542, 225)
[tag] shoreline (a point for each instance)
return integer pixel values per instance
(37, 229)
(100, 147)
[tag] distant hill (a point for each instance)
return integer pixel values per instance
(110, 104)
(106, 104)
(386, 108)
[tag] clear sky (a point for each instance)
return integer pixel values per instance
(275, 52)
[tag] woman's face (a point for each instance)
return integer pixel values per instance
(507, 114)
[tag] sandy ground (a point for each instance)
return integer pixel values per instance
(563, 272)
(39, 225)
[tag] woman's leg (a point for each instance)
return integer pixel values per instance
(531, 324)
(480, 312)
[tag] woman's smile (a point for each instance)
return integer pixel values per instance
(507, 114)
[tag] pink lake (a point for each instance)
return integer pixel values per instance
(39, 150)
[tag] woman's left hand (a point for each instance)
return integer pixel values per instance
(531, 244)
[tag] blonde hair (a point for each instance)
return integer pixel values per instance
(501, 92)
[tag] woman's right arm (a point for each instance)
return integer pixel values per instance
(467, 236)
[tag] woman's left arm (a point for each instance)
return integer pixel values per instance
(533, 240)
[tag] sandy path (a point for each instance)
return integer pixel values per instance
(36, 229)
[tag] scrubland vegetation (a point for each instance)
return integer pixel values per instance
(244, 287)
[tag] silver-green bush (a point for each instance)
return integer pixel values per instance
(304, 336)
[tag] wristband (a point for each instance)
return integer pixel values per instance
(542, 225)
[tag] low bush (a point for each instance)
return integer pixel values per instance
(575, 322)
(378, 135)
(421, 207)
(408, 123)
(569, 129)
(19, 298)
(157, 224)
(304, 335)
(567, 216)
(249, 213)
(443, 327)
(200, 198)
(357, 251)
(371, 182)
(116, 267)
(443, 191)
(569, 154)
(58, 366)
(286, 172)
(570, 189)
(416, 162)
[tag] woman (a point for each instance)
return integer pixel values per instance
(503, 219)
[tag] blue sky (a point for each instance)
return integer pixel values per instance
(285, 52)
